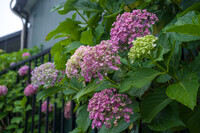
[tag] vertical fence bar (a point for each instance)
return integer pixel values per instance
(95, 130)
(47, 116)
(54, 115)
(29, 81)
(73, 117)
(40, 104)
(33, 106)
(62, 116)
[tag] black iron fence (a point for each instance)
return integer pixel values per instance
(30, 124)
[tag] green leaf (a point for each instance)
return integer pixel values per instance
(47, 92)
(1, 104)
(83, 121)
(56, 7)
(152, 104)
(16, 120)
(28, 108)
(184, 37)
(99, 30)
(159, 53)
(122, 125)
(64, 27)
(194, 7)
(138, 79)
(87, 37)
(2, 115)
(89, 89)
(69, 92)
(163, 78)
(77, 130)
(94, 19)
(185, 91)
(166, 119)
(84, 5)
(23, 101)
(67, 7)
(138, 92)
(72, 46)
(194, 66)
(12, 126)
(190, 29)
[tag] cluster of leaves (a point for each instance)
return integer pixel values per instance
(7, 58)
(164, 88)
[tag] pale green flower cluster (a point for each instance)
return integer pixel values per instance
(142, 46)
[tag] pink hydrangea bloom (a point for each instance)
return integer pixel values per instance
(129, 26)
(46, 75)
(44, 107)
(26, 54)
(23, 70)
(106, 106)
(30, 90)
(93, 61)
(67, 112)
(3, 90)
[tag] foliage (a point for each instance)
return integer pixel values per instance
(164, 79)
(7, 58)
(163, 85)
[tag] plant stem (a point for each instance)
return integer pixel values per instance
(82, 16)
(108, 79)
(70, 87)
(107, 9)
(165, 71)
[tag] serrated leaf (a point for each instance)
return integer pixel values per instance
(152, 104)
(83, 121)
(72, 46)
(87, 37)
(67, 7)
(185, 91)
(89, 89)
(166, 119)
(138, 79)
(64, 27)
(190, 29)
(47, 92)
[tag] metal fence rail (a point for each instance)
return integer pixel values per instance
(30, 127)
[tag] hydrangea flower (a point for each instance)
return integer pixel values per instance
(23, 70)
(67, 112)
(93, 61)
(3, 90)
(142, 46)
(129, 26)
(30, 90)
(44, 107)
(46, 75)
(74, 63)
(26, 54)
(107, 106)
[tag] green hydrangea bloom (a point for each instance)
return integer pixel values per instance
(142, 46)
